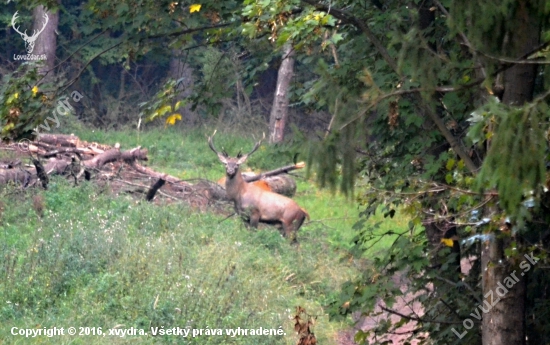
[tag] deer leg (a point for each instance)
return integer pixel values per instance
(290, 233)
(254, 218)
(292, 229)
(287, 230)
(298, 221)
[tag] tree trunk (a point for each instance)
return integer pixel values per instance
(504, 324)
(46, 42)
(279, 111)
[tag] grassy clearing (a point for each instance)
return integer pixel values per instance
(78, 256)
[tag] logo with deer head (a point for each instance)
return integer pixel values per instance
(29, 40)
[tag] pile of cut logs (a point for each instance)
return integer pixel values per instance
(121, 170)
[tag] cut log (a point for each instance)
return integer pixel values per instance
(50, 141)
(57, 166)
(58, 139)
(114, 155)
(21, 176)
(282, 184)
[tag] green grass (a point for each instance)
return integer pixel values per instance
(97, 260)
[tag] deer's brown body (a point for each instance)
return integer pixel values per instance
(255, 204)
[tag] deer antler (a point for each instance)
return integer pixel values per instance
(223, 155)
(211, 144)
(243, 158)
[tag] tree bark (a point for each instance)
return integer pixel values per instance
(46, 42)
(504, 324)
(519, 81)
(279, 110)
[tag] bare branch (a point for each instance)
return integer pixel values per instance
(419, 319)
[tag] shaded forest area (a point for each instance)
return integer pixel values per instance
(430, 110)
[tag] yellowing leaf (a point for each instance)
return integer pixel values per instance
(171, 120)
(450, 164)
(447, 241)
(34, 90)
(164, 109)
(8, 127)
(195, 8)
(12, 97)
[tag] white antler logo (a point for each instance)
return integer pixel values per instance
(29, 40)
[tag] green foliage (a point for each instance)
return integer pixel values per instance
(219, 72)
(516, 161)
(161, 104)
(23, 105)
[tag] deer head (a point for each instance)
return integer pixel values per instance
(232, 163)
(29, 40)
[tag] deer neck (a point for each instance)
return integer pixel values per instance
(234, 185)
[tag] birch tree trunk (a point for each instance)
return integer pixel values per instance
(279, 110)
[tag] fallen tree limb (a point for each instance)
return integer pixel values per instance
(154, 188)
(278, 171)
(150, 172)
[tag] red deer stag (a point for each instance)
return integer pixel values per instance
(254, 204)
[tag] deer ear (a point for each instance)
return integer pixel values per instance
(242, 159)
(222, 158)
